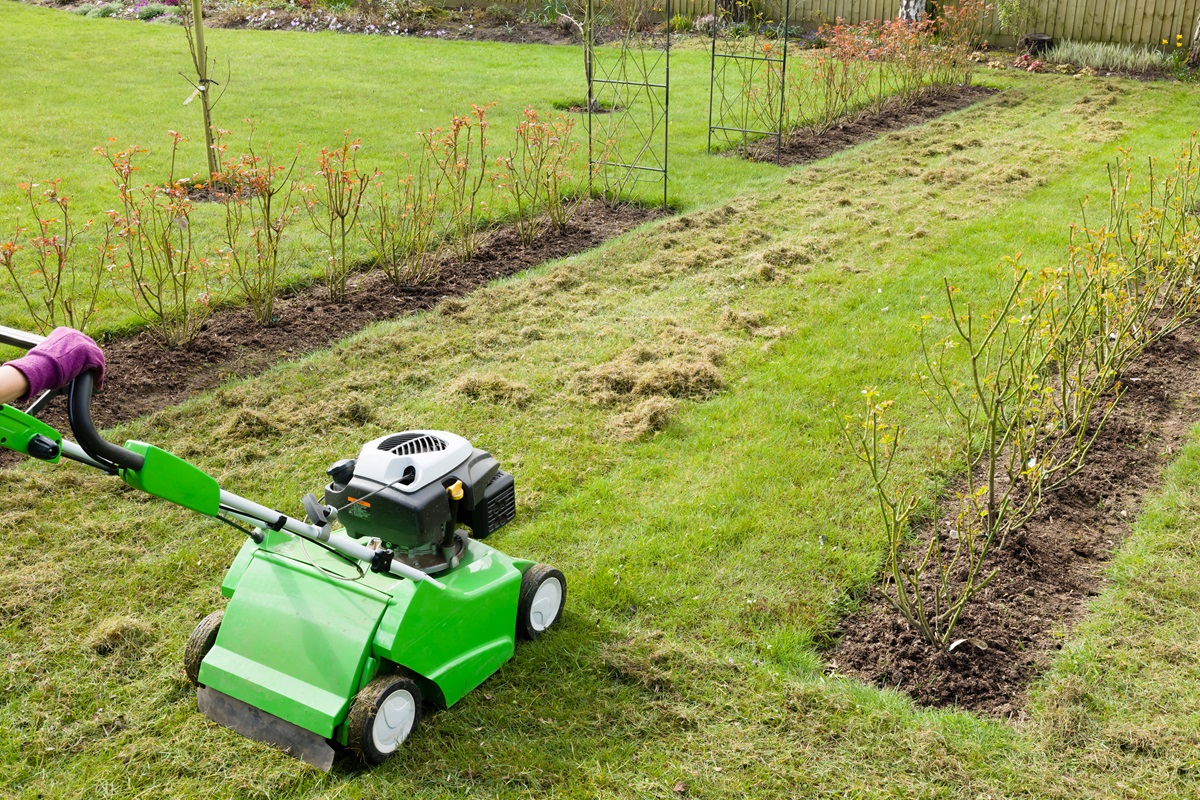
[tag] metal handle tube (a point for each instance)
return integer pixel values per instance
(21, 339)
(257, 514)
(76, 453)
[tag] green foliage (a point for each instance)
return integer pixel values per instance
(501, 13)
(151, 11)
(682, 23)
(1017, 17)
(550, 11)
(105, 10)
(1110, 56)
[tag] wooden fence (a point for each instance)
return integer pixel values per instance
(1130, 21)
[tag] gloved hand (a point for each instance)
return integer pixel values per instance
(60, 359)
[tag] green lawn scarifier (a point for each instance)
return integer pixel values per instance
(337, 637)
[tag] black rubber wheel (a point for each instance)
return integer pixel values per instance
(199, 643)
(543, 595)
(384, 714)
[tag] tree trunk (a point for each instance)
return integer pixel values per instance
(1194, 53)
(912, 10)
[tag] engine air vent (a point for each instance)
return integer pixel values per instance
(411, 444)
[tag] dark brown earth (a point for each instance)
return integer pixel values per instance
(469, 24)
(805, 146)
(1048, 570)
(142, 377)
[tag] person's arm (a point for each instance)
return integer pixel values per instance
(51, 365)
(12, 384)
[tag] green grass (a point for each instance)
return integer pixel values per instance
(706, 562)
(301, 89)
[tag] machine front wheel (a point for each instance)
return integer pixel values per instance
(543, 594)
(199, 643)
(382, 716)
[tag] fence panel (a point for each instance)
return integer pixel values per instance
(1147, 22)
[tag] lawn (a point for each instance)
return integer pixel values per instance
(707, 564)
(120, 80)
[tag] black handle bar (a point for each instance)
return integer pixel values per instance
(79, 412)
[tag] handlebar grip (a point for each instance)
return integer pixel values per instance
(21, 339)
(79, 412)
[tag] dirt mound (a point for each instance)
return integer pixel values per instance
(1048, 570)
(142, 377)
(804, 148)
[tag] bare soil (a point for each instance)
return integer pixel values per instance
(143, 377)
(469, 24)
(1049, 570)
(805, 146)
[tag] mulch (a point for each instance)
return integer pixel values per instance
(1049, 569)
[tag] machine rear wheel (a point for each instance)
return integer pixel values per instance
(383, 716)
(199, 643)
(543, 594)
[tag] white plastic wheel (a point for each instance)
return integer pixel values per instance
(382, 716)
(543, 594)
(393, 721)
(547, 602)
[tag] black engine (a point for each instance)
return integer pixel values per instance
(414, 491)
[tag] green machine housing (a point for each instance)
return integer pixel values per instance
(304, 631)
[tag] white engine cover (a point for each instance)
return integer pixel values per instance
(431, 454)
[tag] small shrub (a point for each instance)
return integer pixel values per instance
(167, 283)
(536, 176)
(58, 280)
(1109, 57)
(402, 221)
(501, 13)
(461, 156)
(681, 23)
(258, 210)
(334, 201)
(105, 10)
(82, 11)
(151, 11)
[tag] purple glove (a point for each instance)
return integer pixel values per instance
(60, 359)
